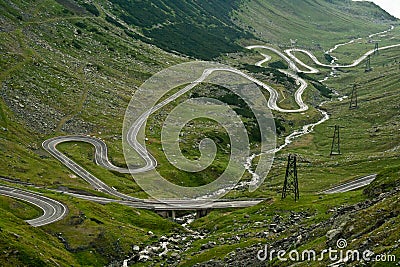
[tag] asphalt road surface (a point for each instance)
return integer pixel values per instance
(52, 210)
(150, 162)
(101, 159)
(352, 185)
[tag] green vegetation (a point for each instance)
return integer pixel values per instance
(323, 89)
(386, 180)
(328, 57)
(86, 237)
(200, 29)
(316, 24)
(69, 67)
(20, 209)
(22, 244)
(370, 144)
(278, 65)
(91, 8)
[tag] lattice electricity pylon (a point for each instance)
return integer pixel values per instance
(376, 50)
(368, 64)
(354, 98)
(335, 148)
(293, 43)
(291, 184)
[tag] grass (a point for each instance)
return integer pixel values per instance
(333, 18)
(22, 244)
(369, 144)
(89, 230)
(386, 180)
(20, 209)
(76, 71)
(348, 53)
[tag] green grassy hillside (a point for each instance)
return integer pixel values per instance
(67, 70)
(366, 218)
(198, 28)
(315, 24)
(71, 67)
(205, 29)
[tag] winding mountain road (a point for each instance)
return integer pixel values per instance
(316, 61)
(52, 210)
(101, 156)
(310, 70)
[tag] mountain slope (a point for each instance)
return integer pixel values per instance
(206, 29)
(314, 23)
(66, 70)
(202, 29)
(71, 67)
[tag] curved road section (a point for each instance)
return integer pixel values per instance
(272, 101)
(358, 183)
(316, 61)
(52, 210)
(101, 156)
(293, 66)
(101, 159)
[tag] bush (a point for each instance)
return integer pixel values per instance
(328, 57)
(114, 22)
(92, 9)
(81, 25)
(325, 91)
(76, 44)
(278, 65)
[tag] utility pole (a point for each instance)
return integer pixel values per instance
(368, 64)
(354, 98)
(335, 148)
(293, 43)
(291, 184)
(376, 50)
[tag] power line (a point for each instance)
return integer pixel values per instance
(354, 97)
(335, 148)
(291, 184)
